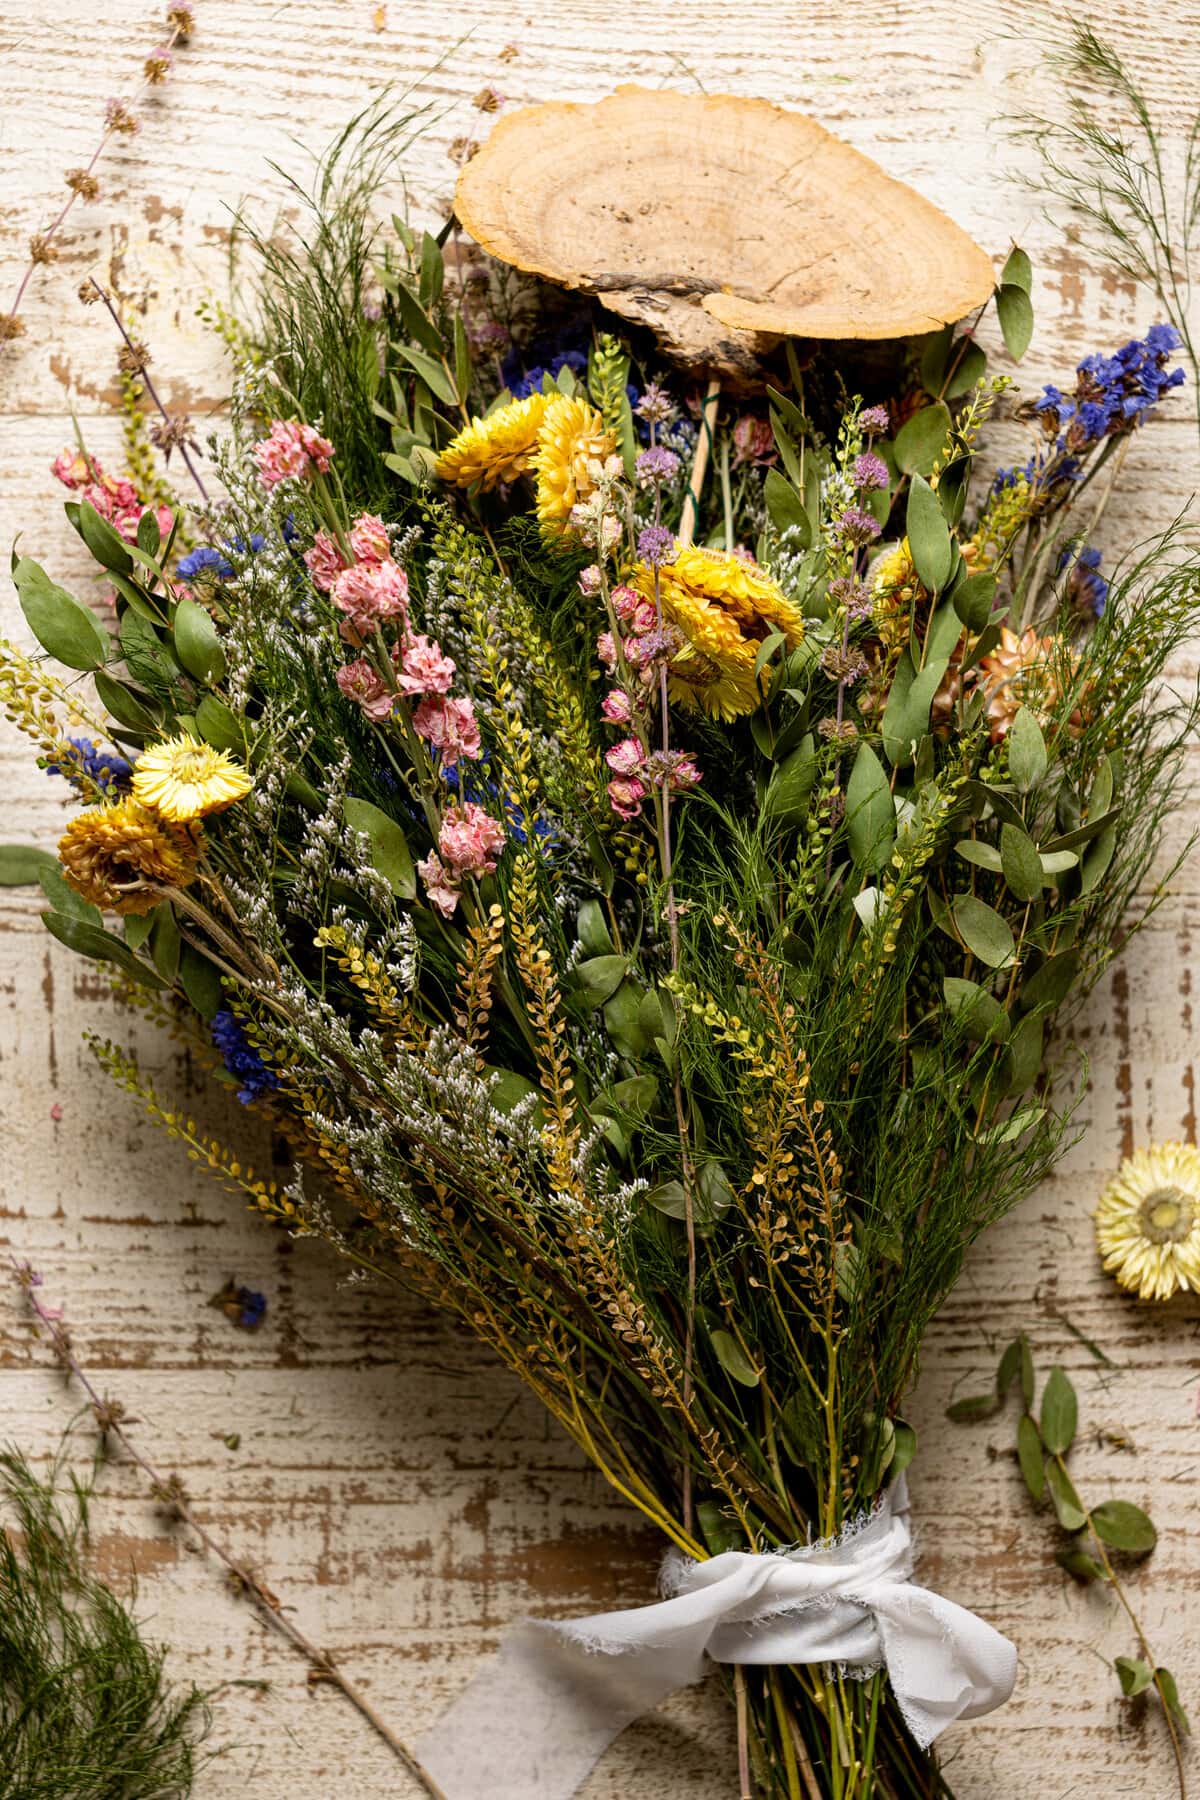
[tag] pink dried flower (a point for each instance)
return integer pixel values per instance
(369, 539)
(450, 726)
(470, 839)
(439, 886)
(616, 707)
(645, 618)
(70, 467)
(606, 650)
(369, 593)
(625, 795)
(589, 580)
(626, 601)
(424, 669)
(291, 451)
(753, 441)
(324, 561)
(624, 758)
(359, 681)
(157, 65)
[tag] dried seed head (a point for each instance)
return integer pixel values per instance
(42, 249)
(83, 183)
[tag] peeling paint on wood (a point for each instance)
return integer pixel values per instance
(393, 1485)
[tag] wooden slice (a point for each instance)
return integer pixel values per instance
(721, 223)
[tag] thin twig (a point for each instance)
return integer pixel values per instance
(179, 34)
(150, 387)
(269, 1607)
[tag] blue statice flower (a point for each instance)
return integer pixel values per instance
(86, 758)
(241, 1058)
(1112, 393)
(1086, 588)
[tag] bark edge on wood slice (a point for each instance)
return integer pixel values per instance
(721, 223)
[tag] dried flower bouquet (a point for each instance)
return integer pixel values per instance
(642, 908)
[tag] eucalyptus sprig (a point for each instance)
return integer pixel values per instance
(1095, 1533)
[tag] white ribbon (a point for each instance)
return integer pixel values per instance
(535, 1721)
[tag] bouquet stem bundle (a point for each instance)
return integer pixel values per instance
(646, 944)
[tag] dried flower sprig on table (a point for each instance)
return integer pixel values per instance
(1095, 1534)
(86, 1707)
(114, 1422)
(120, 120)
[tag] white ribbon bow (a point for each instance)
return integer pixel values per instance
(535, 1721)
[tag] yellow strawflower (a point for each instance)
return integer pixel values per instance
(1148, 1221)
(724, 607)
(573, 435)
(121, 856)
(498, 448)
(184, 779)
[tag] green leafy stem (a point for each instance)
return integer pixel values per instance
(1095, 1533)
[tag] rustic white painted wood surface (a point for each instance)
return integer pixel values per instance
(397, 1489)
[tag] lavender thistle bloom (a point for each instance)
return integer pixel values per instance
(656, 545)
(856, 526)
(873, 418)
(655, 405)
(869, 471)
(655, 465)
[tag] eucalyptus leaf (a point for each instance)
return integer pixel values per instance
(870, 813)
(1060, 1413)
(973, 598)
(389, 848)
(101, 946)
(1170, 1698)
(1079, 1564)
(128, 708)
(1017, 271)
(984, 931)
(1022, 866)
(432, 373)
(785, 508)
(1015, 311)
(920, 441)
(972, 1409)
(906, 716)
(601, 976)
(1124, 1526)
(929, 539)
(979, 854)
(978, 1012)
(1026, 751)
(733, 1359)
(201, 982)
(1031, 1457)
(106, 545)
(218, 725)
(22, 865)
(968, 365)
(63, 897)
(1134, 1675)
(790, 788)
(196, 642)
(66, 630)
(1067, 1504)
